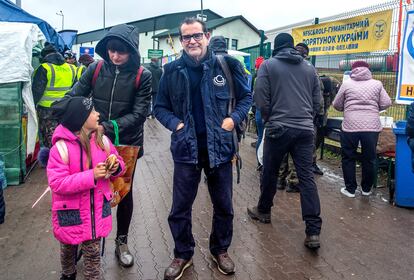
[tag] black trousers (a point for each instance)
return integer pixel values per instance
(185, 187)
(299, 144)
(349, 146)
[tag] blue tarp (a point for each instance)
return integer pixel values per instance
(11, 13)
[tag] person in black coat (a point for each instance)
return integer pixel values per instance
(2, 205)
(117, 97)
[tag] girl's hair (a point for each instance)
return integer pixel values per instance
(117, 45)
(85, 141)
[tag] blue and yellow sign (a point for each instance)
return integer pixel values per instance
(405, 87)
(365, 33)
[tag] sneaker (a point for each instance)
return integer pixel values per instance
(366, 193)
(312, 242)
(176, 269)
(345, 192)
(224, 263)
(253, 144)
(122, 253)
(292, 188)
(254, 213)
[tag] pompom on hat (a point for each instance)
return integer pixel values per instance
(359, 63)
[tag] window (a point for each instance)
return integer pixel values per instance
(227, 42)
(234, 44)
(146, 33)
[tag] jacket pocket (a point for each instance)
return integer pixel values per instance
(179, 146)
(106, 207)
(68, 213)
(226, 147)
(222, 101)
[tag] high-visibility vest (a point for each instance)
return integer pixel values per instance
(81, 69)
(60, 79)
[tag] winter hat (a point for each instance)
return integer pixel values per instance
(283, 40)
(69, 54)
(303, 45)
(218, 44)
(258, 62)
(72, 112)
(48, 49)
(86, 59)
(359, 63)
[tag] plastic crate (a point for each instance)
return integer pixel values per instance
(10, 113)
(10, 137)
(11, 92)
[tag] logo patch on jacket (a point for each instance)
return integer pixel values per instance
(219, 81)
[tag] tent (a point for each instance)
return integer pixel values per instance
(9, 12)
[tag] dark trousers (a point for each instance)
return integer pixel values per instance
(91, 251)
(2, 204)
(299, 144)
(152, 103)
(124, 211)
(349, 146)
(185, 186)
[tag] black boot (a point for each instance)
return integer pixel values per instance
(68, 277)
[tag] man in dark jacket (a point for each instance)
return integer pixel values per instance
(192, 102)
(156, 72)
(117, 97)
(287, 93)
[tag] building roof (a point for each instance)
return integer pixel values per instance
(211, 24)
(166, 21)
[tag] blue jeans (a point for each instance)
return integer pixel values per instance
(185, 186)
(299, 144)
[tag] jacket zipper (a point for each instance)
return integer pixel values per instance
(187, 83)
(112, 92)
(93, 214)
(91, 193)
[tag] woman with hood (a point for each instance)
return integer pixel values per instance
(361, 98)
(118, 97)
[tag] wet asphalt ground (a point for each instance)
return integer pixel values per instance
(362, 238)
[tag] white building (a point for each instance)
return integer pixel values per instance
(158, 32)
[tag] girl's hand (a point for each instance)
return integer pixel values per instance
(114, 168)
(99, 171)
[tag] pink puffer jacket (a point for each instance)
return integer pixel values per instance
(361, 99)
(80, 207)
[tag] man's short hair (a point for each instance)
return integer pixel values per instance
(191, 20)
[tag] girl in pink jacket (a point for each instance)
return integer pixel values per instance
(79, 180)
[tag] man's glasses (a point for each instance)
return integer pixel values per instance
(196, 36)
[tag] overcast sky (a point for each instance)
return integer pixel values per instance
(87, 15)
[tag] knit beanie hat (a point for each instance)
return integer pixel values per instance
(258, 62)
(48, 49)
(86, 59)
(359, 63)
(283, 40)
(303, 45)
(72, 112)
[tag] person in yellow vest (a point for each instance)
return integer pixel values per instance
(51, 80)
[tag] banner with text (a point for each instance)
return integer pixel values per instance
(405, 86)
(364, 33)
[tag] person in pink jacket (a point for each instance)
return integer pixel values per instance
(79, 180)
(361, 98)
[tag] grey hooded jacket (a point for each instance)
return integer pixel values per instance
(287, 91)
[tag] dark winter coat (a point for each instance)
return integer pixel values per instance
(409, 130)
(40, 77)
(174, 105)
(287, 91)
(156, 72)
(114, 95)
